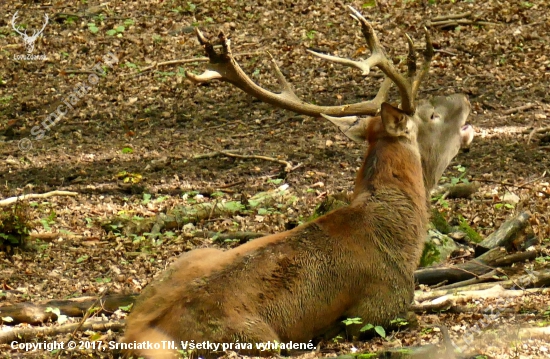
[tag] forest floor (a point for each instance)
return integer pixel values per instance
(129, 145)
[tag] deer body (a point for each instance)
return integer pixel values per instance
(357, 261)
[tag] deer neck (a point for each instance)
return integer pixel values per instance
(391, 163)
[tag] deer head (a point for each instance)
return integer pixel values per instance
(29, 40)
(441, 120)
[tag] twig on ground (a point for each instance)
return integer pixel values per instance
(538, 130)
(519, 108)
(212, 154)
(482, 278)
(460, 22)
(446, 52)
(8, 201)
(288, 165)
(452, 16)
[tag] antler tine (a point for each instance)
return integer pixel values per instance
(411, 58)
(13, 19)
(224, 67)
(46, 18)
(384, 64)
(364, 65)
(428, 55)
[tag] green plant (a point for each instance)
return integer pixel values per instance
(462, 170)
(399, 322)
(426, 330)
(15, 223)
(46, 222)
(350, 321)
(6, 99)
(117, 30)
(93, 27)
(311, 34)
(146, 198)
(542, 260)
(504, 205)
(378, 329)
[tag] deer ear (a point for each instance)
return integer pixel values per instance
(352, 126)
(394, 120)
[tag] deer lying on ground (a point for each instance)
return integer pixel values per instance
(357, 261)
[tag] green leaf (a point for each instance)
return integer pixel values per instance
(351, 321)
(366, 327)
(380, 331)
(126, 308)
(369, 3)
(82, 259)
(111, 32)
(146, 198)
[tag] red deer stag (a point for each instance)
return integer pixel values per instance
(357, 261)
(294, 286)
(441, 120)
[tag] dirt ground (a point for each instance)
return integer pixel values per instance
(147, 128)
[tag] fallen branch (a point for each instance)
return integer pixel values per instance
(33, 332)
(507, 232)
(480, 279)
(459, 190)
(531, 280)
(212, 154)
(242, 237)
(464, 271)
(535, 333)
(76, 307)
(518, 109)
(8, 201)
(450, 23)
(179, 216)
(538, 130)
(497, 291)
(452, 16)
(288, 166)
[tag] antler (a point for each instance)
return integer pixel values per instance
(408, 87)
(36, 34)
(14, 17)
(224, 67)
